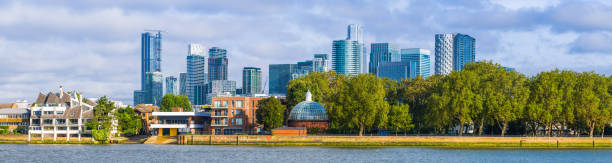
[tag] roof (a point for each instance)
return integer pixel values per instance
(308, 110)
(146, 108)
(70, 113)
(8, 105)
(52, 98)
(11, 111)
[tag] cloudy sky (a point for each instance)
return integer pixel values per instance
(93, 46)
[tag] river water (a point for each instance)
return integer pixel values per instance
(188, 153)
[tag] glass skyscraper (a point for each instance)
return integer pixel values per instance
(218, 88)
(381, 53)
(320, 63)
(151, 78)
(396, 70)
(279, 75)
(251, 80)
(217, 64)
(197, 75)
(354, 32)
(171, 85)
(346, 57)
(453, 51)
(421, 57)
(182, 83)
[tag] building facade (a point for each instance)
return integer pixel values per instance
(231, 115)
(197, 74)
(16, 119)
(397, 70)
(150, 63)
(346, 57)
(320, 63)
(217, 64)
(60, 115)
(421, 57)
(218, 88)
(381, 53)
(251, 81)
(453, 51)
(172, 85)
(279, 75)
(154, 90)
(182, 83)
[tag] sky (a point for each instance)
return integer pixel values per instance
(93, 47)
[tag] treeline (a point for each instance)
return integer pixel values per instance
(483, 95)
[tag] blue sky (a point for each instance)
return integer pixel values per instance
(93, 46)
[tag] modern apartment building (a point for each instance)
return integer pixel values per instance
(320, 63)
(279, 75)
(381, 53)
(453, 51)
(231, 115)
(17, 119)
(197, 74)
(421, 57)
(251, 81)
(217, 64)
(153, 88)
(172, 85)
(217, 88)
(60, 115)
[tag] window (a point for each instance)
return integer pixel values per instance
(217, 104)
(238, 121)
(48, 112)
(37, 113)
(239, 104)
(74, 121)
(48, 121)
(36, 121)
(59, 112)
(238, 112)
(60, 121)
(224, 104)
(74, 128)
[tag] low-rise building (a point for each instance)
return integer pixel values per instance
(177, 122)
(309, 114)
(236, 114)
(145, 111)
(17, 120)
(60, 114)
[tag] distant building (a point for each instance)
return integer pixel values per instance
(279, 75)
(150, 69)
(421, 57)
(60, 114)
(320, 63)
(453, 51)
(381, 53)
(197, 75)
(182, 83)
(220, 88)
(346, 57)
(153, 88)
(231, 115)
(397, 70)
(354, 32)
(17, 119)
(251, 80)
(171, 85)
(509, 69)
(308, 114)
(217, 64)
(302, 69)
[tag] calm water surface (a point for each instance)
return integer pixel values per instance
(175, 153)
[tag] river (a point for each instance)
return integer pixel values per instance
(187, 153)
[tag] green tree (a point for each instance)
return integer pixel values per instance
(270, 113)
(366, 96)
(545, 103)
(170, 101)
(400, 118)
(102, 120)
(416, 92)
(128, 122)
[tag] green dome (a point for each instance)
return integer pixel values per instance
(308, 111)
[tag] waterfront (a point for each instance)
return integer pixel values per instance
(197, 153)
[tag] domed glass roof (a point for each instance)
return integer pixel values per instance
(308, 110)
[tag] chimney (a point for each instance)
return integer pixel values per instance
(61, 92)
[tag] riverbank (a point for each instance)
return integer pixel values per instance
(23, 139)
(409, 141)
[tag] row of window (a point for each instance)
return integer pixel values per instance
(59, 112)
(51, 128)
(13, 123)
(23, 116)
(60, 121)
(237, 103)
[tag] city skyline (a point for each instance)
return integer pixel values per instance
(102, 57)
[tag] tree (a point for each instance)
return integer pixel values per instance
(416, 92)
(102, 120)
(592, 100)
(170, 101)
(270, 113)
(128, 122)
(366, 96)
(400, 118)
(545, 101)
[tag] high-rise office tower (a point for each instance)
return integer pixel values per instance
(346, 57)
(150, 64)
(182, 83)
(153, 88)
(279, 75)
(197, 75)
(303, 68)
(217, 88)
(320, 63)
(381, 53)
(251, 80)
(217, 64)
(171, 85)
(453, 51)
(354, 32)
(396, 70)
(421, 57)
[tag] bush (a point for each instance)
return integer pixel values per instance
(100, 135)
(314, 130)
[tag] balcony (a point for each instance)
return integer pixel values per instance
(219, 115)
(218, 124)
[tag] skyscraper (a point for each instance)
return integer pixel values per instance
(182, 83)
(151, 77)
(381, 53)
(217, 64)
(354, 32)
(251, 80)
(421, 57)
(302, 69)
(195, 88)
(279, 75)
(396, 70)
(171, 85)
(320, 63)
(218, 88)
(346, 57)
(453, 51)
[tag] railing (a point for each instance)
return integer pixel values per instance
(218, 124)
(168, 125)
